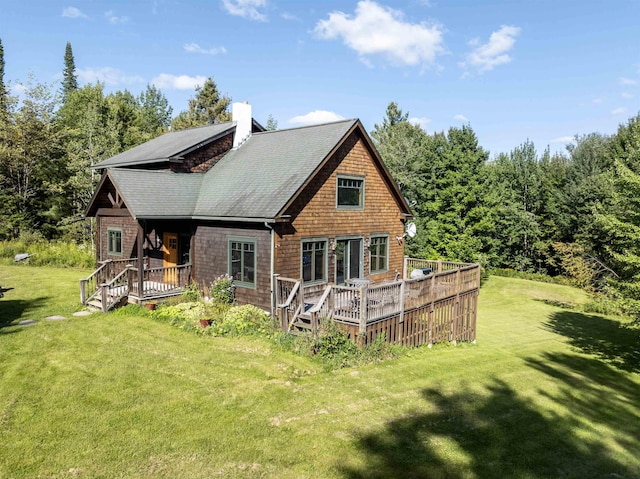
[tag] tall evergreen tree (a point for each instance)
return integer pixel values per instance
(206, 108)
(69, 78)
(3, 89)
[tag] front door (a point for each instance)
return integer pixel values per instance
(170, 256)
(348, 259)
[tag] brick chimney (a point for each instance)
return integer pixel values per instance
(241, 114)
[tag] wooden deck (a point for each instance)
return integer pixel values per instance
(436, 307)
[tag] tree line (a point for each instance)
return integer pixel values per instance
(575, 214)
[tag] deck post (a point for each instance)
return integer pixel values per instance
(401, 302)
(104, 289)
(130, 279)
(363, 309)
(439, 266)
(83, 291)
(140, 263)
(405, 268)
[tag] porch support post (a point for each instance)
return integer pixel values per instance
(140, 262)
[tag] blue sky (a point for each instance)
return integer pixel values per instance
(514, 70)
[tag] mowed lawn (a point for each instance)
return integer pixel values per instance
(546, 392)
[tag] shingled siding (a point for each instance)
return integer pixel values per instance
(129, 228)
(316, 216)
(202, 159)
(211, 259)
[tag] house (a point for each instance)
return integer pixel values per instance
(314, 203)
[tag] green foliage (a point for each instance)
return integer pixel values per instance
(207, 107)
(222, 290)
(192, 292)
(69, 77)
(246, 320)
(185, 315)
(543, 278)
(48, 253)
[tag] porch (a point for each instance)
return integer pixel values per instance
(116, 282)
(438, 304)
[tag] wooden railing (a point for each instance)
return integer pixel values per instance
(108, 269)
(432, 307)
(289, 301)
(160, 281)
(114, 291)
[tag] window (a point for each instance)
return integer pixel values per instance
(242, 261)
(114, 242)
(314, 260)
(378, 254)
(350, 192)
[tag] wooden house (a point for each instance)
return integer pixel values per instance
(307, 221)
(314, 202)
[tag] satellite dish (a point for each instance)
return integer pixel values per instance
(411, 230)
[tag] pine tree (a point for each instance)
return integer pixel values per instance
(3, 88)
(70, 80)
(206, 108)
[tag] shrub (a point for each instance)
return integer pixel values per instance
(246, 320)
(183, 315)
(222, 290)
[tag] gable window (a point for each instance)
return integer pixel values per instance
(314, 261)
(242, 261)
(114, 241)
(350, 192)
(378, 254)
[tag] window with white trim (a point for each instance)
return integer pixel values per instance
(114, 241)
(314, 261)
(378, 254)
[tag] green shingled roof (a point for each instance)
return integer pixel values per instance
(259, 178)
(156, 194)
(168, 146)
(252, 182)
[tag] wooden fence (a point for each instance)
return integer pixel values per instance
(434, 307)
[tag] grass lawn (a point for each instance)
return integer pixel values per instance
(545, 392)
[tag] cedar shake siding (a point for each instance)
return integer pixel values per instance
(315, 215)
(211, 259)
(129, 228)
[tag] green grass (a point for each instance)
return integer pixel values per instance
(546, 392)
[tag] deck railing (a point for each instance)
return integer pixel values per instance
(91, 285)
(159, 282)
(433, 307)
(114, 291)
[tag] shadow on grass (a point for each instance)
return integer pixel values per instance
(499, 434)
(14, 309)
(605, 338)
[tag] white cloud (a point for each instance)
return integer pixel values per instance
(565, 140)
(487, 56)
(195, 48)
(422, 122)
(618, 111)
(246, 8)
(461, 118)
(378, 30)
(315, 117)
(289, 16)
(73, 12)
(628, 81)
(108, 76)
(627, 96)
(17, 89)
(597, 101)
(178, 82)
(114, 19)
